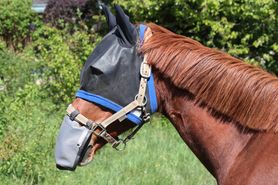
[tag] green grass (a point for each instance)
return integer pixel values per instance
(156, 156)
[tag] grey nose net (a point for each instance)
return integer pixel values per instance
(72, 144)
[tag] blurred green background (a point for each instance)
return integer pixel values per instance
(40, 60)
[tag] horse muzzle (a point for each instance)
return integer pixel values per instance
(73, 145)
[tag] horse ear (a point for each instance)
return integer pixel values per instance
(126, 26)
(110, 18)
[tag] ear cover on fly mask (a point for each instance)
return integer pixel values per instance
(110, 18)
(128, 29)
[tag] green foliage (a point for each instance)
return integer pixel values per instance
(28, 137)
(61, 56)
(15, 71)
(25, 113)
(2, 46)
(246, 29)
(16, 17)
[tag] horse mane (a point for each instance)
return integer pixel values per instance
(245, 93)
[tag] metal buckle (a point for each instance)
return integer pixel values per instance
(90, 125)
(146, 117)
(145, 71)
(73, 115)
(145, 101)
(100, 133)
(105, 135)
(97, 125)
(118, 143)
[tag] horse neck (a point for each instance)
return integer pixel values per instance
(215, 143)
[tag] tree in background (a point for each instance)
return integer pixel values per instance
(16, 18)
(247, 29)
(70, 11)
(73, 13)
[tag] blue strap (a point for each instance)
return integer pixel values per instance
(151, 87)
(107, 104)
(142, 29)
(152, 94)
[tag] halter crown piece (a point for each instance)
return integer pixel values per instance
(136, 111)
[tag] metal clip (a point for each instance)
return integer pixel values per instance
(146, 117)
(118, 143)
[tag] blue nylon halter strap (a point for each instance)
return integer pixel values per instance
(151, 88)
(114, 106)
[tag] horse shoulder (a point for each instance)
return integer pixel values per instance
(257, 163)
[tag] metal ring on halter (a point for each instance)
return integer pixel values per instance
(144, 102)
(121, 143)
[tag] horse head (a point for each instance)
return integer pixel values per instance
(116, 89)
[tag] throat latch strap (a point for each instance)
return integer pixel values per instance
(139, 102)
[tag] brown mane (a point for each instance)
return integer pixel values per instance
(243, 92)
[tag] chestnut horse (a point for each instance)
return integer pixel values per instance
(225, 110)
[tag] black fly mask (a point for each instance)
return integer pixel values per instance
(111, 75)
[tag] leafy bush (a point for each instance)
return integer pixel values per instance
(246, 29)
(16, 17)
(2, 46)
(25, 112)
(16, 72)
(61, 56)
(63, 9)
(27, 144)
(20, 104)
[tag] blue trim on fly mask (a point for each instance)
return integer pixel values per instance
(114, 106)
(107, 104)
